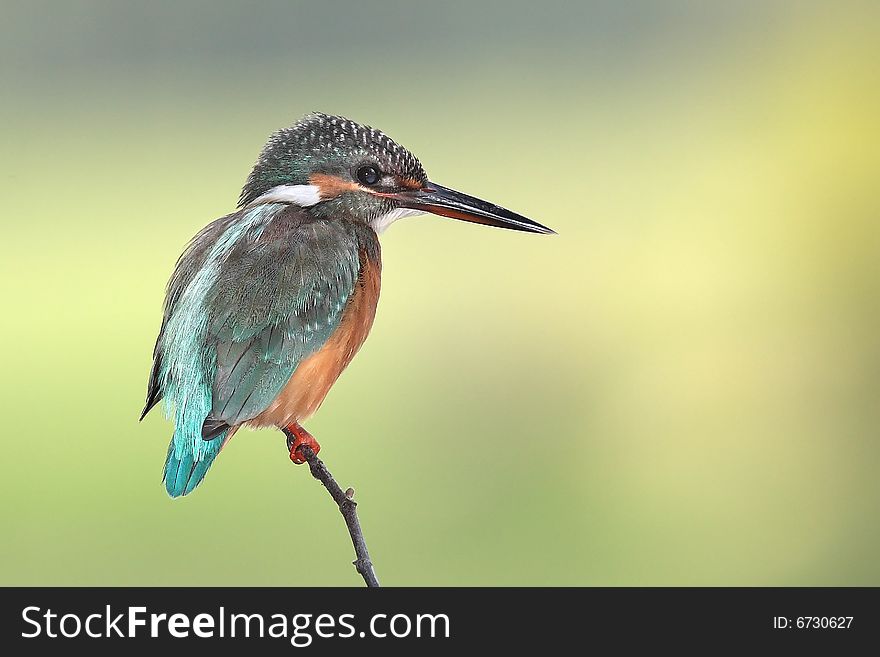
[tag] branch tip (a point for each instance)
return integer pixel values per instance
(348, 509)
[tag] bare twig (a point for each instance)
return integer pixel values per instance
(348, 508)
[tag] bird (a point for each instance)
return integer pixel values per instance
(269, 304)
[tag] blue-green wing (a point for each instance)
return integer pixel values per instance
(193, 259)
(276, 301)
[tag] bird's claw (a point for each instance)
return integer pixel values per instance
(297, 436)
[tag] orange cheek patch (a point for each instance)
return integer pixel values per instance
(331, 186)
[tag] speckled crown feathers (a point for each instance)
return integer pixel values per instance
(289, 152)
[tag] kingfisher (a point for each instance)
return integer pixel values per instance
(268, 305)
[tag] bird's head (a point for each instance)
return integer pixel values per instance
(335, 167)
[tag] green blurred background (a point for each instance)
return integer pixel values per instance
(680, 388)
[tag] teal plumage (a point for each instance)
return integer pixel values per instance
(253, 294)
(184, 470)
(265, 289)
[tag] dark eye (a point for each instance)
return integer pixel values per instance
(368, 175)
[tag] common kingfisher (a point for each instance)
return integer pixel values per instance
(268, 305)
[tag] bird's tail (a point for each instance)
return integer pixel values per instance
(185, 467)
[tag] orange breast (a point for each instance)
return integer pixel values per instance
(315, 375)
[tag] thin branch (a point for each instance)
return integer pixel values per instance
(348, 508)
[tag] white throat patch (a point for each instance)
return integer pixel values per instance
(382, 222)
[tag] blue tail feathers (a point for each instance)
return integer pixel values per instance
(183, 472)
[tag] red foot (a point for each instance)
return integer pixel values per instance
(296, 438)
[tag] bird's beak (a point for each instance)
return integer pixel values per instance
(446, 202)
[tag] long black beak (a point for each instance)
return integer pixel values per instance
(446, 202)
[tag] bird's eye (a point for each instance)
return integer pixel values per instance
(368, 175)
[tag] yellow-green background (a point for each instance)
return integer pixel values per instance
(679, 388)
